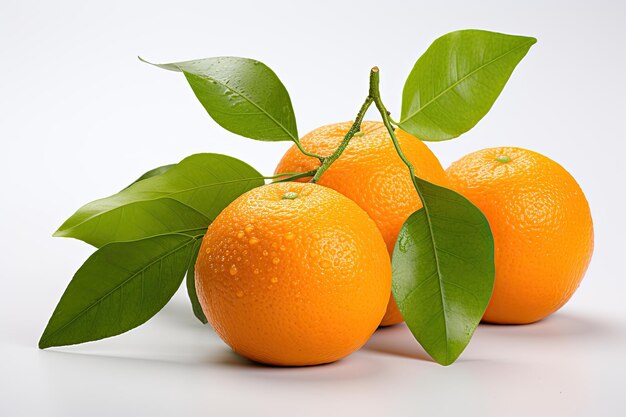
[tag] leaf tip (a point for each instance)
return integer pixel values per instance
(43, 343)
(169, 67)
(447, 359)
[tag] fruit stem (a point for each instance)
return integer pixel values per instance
(292, 176)
(354, 129)
(375, 94)
(311, 154)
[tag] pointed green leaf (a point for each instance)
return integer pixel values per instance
(118, 288)
(443, 271)
(242, 95)
(457, 80)
(191, 286)
(186, 197)
(154, 172)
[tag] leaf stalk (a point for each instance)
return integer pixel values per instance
(354, 129)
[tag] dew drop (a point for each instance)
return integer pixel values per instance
(265, 253)
(403, 243)
(249, 228)
(275, 261)
(253, 241)
(241, 234)
(233, 270)
(208, 250)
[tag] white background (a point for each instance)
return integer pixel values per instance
(80, 117)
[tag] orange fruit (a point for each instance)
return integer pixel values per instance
(293, 274)
(370, 173)
(541, 226)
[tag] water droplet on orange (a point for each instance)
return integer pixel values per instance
(249, 228)
(241, 234)
(265, 253)
(275, 261)
(233, 270)
(253, 241)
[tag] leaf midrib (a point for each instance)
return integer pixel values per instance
(123, 283)
(462, 79)
(280, 125)
(164, 196)
(439, 274)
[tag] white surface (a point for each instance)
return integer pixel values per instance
(80, 117)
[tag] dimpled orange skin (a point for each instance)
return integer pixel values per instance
(300, 281)
(371, 174)
(541, 225)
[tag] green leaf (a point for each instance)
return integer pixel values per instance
(191, 287)
(186, 197)
(118, 288)
(457, 80)
(154, 172)
(242, 95)
(443, 271)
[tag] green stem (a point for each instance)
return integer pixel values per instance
(292, 176)
(311, 154)
(375, 93)
(354, 129)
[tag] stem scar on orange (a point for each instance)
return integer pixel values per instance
(293, 274)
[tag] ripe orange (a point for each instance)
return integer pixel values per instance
(541, 226)
(371, 174)
(293, 274)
